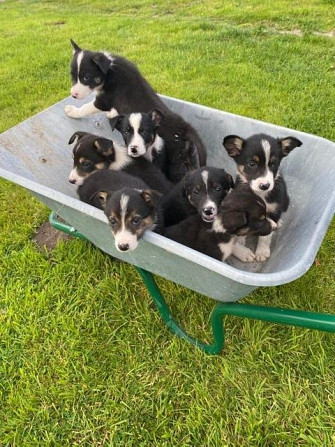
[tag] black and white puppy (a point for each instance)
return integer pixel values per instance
(131, 212)
(139, 133)
(258, 158)
(92, 153)
(121, 89)
(241, 213)
(200, 191)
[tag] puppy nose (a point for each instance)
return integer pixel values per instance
(209, 210)
(123, 247)
(264, 186)
(72, 180)
(133, 149)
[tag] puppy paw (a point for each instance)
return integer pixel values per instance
(112, 113)
(279, 223)
(71, 111)
(242, 253)
(262, 254)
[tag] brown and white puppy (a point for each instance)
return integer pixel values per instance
(92, 153)
(258, 158)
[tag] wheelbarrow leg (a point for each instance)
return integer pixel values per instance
(311, 320)
(319, 321)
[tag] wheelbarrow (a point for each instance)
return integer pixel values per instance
(35, 154)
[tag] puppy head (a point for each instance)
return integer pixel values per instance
(205, 189)
(138, 130)
(258, 158)
(243, 213)
(130, 213)
(90, 153)
(88, 71)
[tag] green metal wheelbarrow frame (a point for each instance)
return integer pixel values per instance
(310, 320)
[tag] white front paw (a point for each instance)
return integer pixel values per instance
(112, 113)
(71, 111)
(279, 223)
(242, 253)
(262, 254)
(248, 255)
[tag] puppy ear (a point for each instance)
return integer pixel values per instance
(151, 197)
(104, 146)
(77, 136)
(99, 198)
(233, 220)
(115, 122)
(157, 117)
(102, 62)
(230, 181)
(288, 144)
(74, 46)
(185, 185)
(233, 145)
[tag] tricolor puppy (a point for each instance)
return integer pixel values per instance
(121, 89)
(258, 158)
(92, 153)
(200, 192)
(92, 189)
(130, 213)
(241, 213)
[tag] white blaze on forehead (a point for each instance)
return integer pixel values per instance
(137, 140)
(123, 205)
(204, 176)
(267, 150)
(79, 59)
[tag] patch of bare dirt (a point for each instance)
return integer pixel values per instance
(47, 237)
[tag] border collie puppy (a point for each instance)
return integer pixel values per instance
(241, 213)
(200, 192)
(121, 89)
(92, 153)
(258, 158)
(139, 133)
(106, 180)
(130, 212)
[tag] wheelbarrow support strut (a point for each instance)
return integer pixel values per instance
(310, 320)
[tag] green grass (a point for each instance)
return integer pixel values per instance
(84, 356)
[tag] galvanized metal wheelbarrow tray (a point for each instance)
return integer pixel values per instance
(35, 154)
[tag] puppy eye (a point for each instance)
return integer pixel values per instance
(195, 191)
(127, 131)
(136, 220)
(271, 165)
(218, 188)
(252, 163)
(97, 80)
(86, 78)
(112, 221)
(86, 164)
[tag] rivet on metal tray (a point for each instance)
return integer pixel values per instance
(97, 124)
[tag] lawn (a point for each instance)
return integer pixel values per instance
(85, 358)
